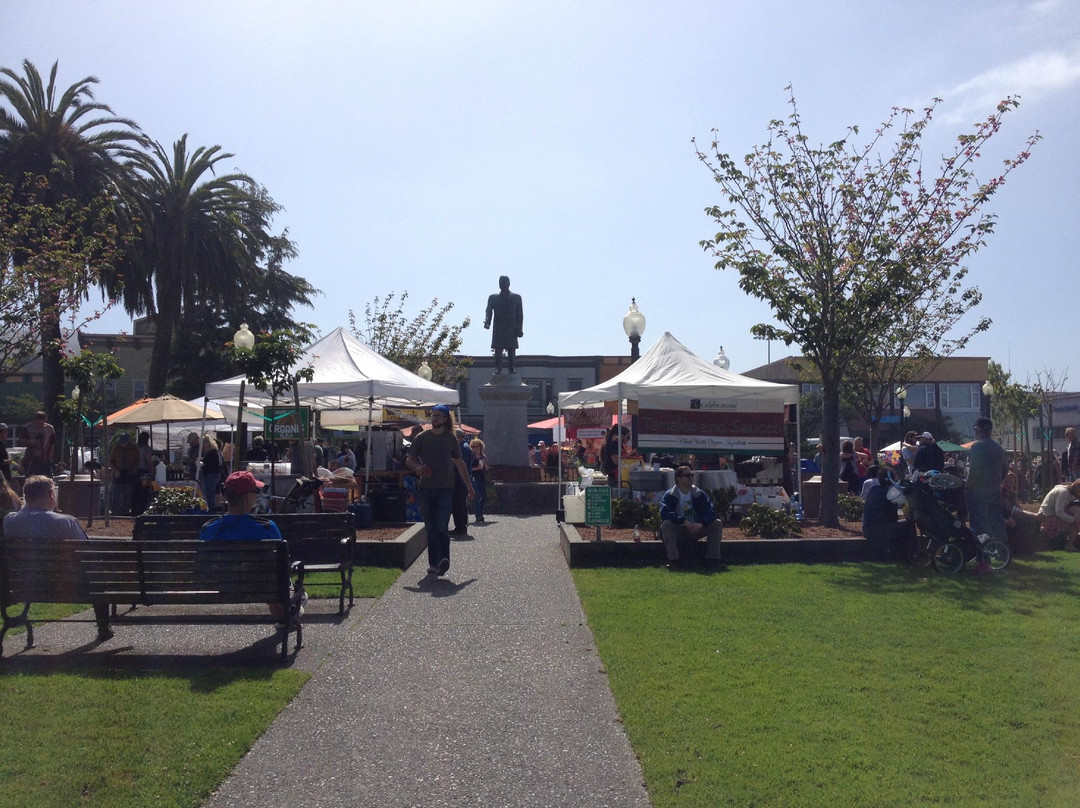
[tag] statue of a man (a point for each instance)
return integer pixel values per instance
(504, 310)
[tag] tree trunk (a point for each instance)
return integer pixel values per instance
(158, 375)
(52, 374)
(830, 461)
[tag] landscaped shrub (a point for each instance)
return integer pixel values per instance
(721, 500)
(626, 513)
(769, 523)
(850, 507)
(176, 500)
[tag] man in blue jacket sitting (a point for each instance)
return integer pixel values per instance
(687, 512)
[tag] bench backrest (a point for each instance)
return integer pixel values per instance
(41, 570)
(314, 538)
(146, 572)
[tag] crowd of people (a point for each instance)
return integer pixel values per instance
(989, 497)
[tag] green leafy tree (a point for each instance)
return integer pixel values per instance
(80, 147)
(50, 256)
(408, 342)
(200, 245)
(88, 371)
(274, 365)
(199, 348)
(846, 244)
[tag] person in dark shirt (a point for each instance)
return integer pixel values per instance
(880, 523)
(930, 457)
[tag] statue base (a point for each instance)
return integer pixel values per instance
(506, 431)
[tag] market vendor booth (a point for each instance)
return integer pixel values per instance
(686, 406)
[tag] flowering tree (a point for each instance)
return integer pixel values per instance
(848, 246)
(50, 257)
(409, 342)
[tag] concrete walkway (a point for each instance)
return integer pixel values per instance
(480, 689)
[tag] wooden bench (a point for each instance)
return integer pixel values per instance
(152, 573)
(324, 542)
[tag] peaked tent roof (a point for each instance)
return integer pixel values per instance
(347, 374)
(668, 369)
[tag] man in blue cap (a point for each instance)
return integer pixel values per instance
(435, 457)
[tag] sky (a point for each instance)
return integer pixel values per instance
(428, 147)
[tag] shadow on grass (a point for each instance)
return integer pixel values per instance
(967, 589)
(258, 661)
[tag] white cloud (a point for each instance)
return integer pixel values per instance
(1031, 78)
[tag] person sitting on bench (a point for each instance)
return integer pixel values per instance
(237, 523)
(38, 520)
(687, 512)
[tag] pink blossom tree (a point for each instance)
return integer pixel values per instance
(851, 245)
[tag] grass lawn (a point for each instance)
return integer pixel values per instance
(847, 685)
(85, 733)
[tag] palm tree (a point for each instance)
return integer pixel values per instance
(200, 244)
(79, 147)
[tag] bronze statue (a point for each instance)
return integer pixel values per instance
(504, 309)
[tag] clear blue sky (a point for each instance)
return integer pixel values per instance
(430, 146)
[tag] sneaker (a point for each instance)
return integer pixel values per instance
(673, 566)
(444, 565)
(431, 570)
(716, 565)
(105, 634)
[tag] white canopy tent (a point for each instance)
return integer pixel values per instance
(670, 377)
(669, 373)
(348, 375)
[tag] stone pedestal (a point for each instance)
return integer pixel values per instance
(506, 432)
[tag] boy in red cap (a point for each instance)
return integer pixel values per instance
(237, 523)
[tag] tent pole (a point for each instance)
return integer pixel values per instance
(558, 444)
(367, 448)
(107, 475)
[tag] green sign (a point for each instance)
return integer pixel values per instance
(287, 423)
(597, 505)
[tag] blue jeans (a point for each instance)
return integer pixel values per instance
(435, 505)
(480, 499)
(209, 487)
(984, 511)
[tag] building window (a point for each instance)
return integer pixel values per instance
(919, 397)
(574, 384)
(541, 392)
(463, 393)
(138, 389)
(965, 396)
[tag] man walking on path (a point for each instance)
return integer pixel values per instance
(435, 457)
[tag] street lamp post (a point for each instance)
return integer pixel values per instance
(901, 396)
(988, 394)
(424, 371)
(721, 360)
(633, 323)
(243, 340)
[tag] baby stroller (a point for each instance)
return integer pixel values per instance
(300, 494)
(943, 539)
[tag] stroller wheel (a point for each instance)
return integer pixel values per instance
(948, 558)
(918, 551)
(997, 554)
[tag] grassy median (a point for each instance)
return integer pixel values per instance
(856, 684)
(92, 733)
